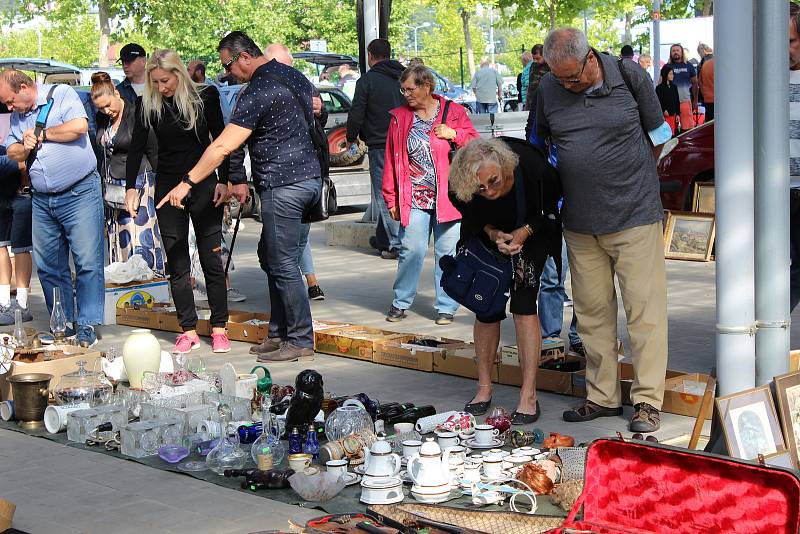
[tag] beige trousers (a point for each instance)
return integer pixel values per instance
(636, 256)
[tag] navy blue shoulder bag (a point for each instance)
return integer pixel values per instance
(478, 277)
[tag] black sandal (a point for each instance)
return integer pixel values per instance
(520, 418)
(478, 408)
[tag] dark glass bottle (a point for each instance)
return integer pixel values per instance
(249, 433)
(295, 442)
(411, 415)
(311, 446)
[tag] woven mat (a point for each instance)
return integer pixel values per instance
(347, 501)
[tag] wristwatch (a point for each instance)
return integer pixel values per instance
(187, 181)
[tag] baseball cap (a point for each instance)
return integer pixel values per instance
(131, 51)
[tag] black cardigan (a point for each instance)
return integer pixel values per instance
(178, 149)
(542, 193)
(667, 94)
(114, 162)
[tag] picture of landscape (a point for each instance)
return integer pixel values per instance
(689, 236)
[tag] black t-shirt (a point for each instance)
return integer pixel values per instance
(281, 150)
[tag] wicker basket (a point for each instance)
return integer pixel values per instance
(479, 521)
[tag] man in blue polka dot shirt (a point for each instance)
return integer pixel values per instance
(274, 124)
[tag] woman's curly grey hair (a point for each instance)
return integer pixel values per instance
(463, 179)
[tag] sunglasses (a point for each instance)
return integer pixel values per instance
(491, 183)
(227, 66)
(576, 80)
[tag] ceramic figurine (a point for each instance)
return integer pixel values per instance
(306, 401)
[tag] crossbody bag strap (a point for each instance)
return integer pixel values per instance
(626, 78)
(41, 123)
(519, 183)
(444, 121)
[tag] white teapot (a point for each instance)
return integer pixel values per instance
(380, 461)
(430, 471)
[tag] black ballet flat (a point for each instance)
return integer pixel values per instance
(478, 408)
(519, 418)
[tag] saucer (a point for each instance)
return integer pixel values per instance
(395, 500)
(495, 443)
(351, 478)
(505, 476)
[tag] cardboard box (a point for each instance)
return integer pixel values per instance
(546, 379)
(64, 363)
(141, 317)
(551, 348)
(399, 352)
(319, 326)
(133, 294)
(460, 360)
(357, 342)
(240, 330)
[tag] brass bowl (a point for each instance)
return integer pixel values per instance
(30, 391)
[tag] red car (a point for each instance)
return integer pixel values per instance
(684, 160)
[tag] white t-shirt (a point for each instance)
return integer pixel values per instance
(139, 88)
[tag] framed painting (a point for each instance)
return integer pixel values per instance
(704, 198)
(787, 388)
(689, 236)
(750, 424)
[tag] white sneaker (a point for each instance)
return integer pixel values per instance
(234, 295)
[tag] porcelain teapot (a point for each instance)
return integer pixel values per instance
(430, 471)
(380, 461)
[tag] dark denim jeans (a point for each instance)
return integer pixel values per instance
(282, 210)
(390, 237)
(71, 222)
(551, 300)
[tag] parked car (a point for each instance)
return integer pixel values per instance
(684, 161)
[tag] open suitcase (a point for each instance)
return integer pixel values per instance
(637, 486)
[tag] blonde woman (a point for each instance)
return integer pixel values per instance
(185, 117)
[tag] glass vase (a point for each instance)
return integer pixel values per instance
(227, 454)
(268, 443)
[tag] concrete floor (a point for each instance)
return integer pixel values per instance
(63, 490)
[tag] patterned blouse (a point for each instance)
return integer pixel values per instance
(420, 163)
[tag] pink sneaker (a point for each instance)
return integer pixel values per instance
(186, 344)
(221, 342)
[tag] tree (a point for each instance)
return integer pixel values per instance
(547, 14)
(441, 45)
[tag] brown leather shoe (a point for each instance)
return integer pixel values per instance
(286, 353)
(268, 345)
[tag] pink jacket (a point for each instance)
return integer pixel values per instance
(396, 179)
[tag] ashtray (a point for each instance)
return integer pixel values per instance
(173, 453)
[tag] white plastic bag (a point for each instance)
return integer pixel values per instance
(133, 270)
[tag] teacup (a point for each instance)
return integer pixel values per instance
(527, 451)
(516, 460)
(484, 434)
(476, 459)
(411, 447)
(403, 428)
(496, 452)
(338, 467)
(458, 451)
(492, 468)
(447, 439)
(299, 462)
(472, 472)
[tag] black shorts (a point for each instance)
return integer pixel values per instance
(15, 223)
(523, 299)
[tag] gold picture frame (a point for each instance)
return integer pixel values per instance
(689, 236)
(750, 424)
(704, 198)
(787, 390)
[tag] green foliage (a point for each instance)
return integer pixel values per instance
(79, 35)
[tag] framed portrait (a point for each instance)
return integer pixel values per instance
(750, 424)
(787, 388)
(689, 236)
(704, 198)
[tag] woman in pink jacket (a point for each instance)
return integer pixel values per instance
(415, 185)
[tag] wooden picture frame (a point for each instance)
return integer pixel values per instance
(750, 424)
(704, 198)
(689, 236)
(787, 390)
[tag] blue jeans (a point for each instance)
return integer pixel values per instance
(413, 247)
(71, 222)
(282, 209)
(551, 300)
(390, 226)
(306, 260)
(484, 107)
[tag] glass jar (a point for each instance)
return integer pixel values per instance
(348, 419)
(82, 386)
(227, 454)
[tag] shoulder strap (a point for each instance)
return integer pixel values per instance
(629, 85)
(41, 123)
(519, 183)
(277, 79)
(446, 109)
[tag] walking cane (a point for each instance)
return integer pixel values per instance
(233, 239)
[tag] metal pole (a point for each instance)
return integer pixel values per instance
(772, 186)
(491, 33)
(733, 162)
(371, 22)
(461, 63)
(656, 39)
(416, 48)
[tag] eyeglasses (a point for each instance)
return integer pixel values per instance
(405, 91)
(562, 81)
(491, 183)
(227, 66)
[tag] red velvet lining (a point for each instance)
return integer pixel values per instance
(636, 487)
